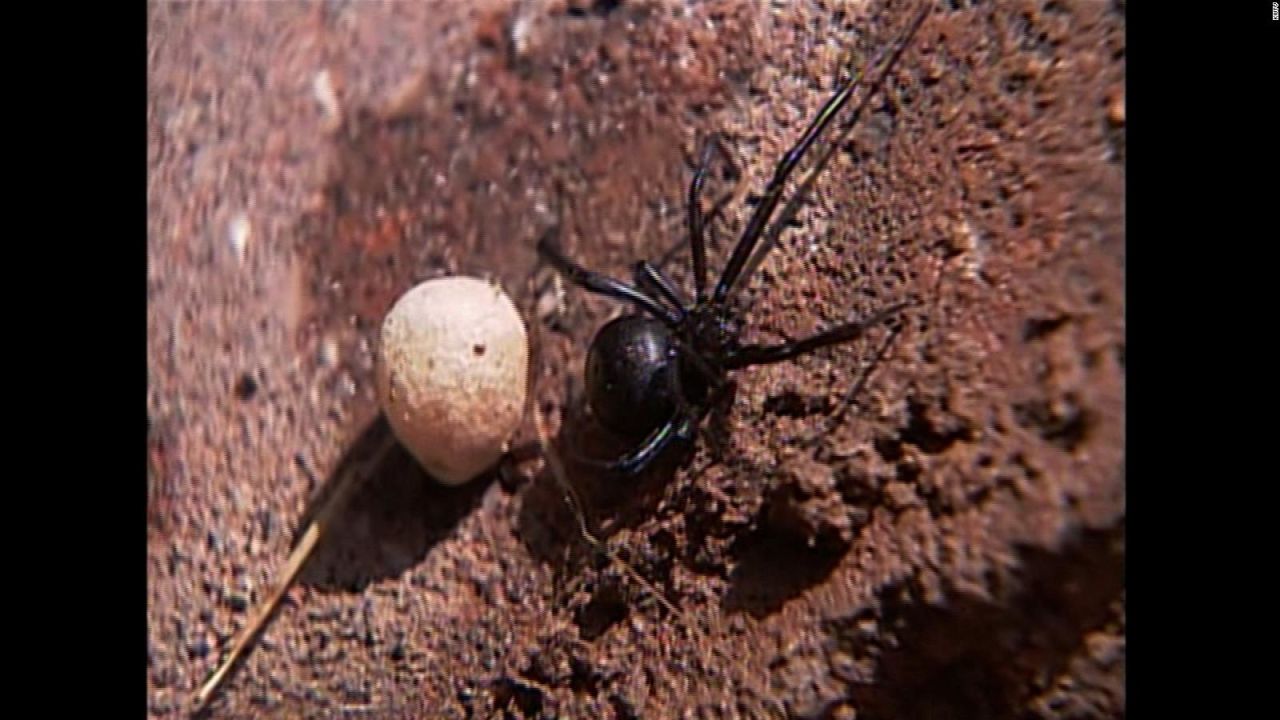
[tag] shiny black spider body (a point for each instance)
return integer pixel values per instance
(654, 375)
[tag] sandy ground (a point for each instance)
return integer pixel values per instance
(937, 534)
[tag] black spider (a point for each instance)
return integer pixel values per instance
(655, 375)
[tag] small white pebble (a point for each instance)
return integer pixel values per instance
(322, 88)
(451, 375)
(329, 351)
(238, 233)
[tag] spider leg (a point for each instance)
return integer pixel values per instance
(773, 191)
(679, 427)
(748, 355)
(714, 142)
(602, 284)
(836, 417)
(791, 207)
(697, 240)
(649, 278)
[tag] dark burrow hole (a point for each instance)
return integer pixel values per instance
(600, 8)
(1014, 83)
(924, 434)
(508, 692)
(607, 608)
(583, 678)
(908, 473)
(889, 448)
(246, 387)
(792, 404)
(1036, 328)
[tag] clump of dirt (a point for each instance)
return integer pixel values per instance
(926, 522)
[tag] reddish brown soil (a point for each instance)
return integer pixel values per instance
(950, 543)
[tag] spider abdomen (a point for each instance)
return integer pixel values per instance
(629, 375)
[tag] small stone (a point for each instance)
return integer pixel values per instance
(844, 711)
(238, 233)
(327, 97)
(1115, 109)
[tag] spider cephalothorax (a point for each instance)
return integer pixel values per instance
(655, 374)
